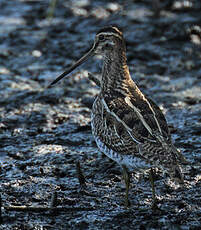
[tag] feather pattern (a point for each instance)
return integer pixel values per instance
(129, 127)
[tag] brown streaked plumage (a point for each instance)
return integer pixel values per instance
(127, 126)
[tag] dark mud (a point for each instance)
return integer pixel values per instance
(44, 133)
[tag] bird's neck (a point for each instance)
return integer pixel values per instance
(115, 73)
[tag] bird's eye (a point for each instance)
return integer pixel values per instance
(101, 37)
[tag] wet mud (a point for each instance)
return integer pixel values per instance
(48, 155)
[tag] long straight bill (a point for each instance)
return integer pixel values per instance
(79, 62)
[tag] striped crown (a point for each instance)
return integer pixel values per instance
(110, 29)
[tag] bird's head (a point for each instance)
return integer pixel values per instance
(106, 41)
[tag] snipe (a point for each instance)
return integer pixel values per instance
(127, 126)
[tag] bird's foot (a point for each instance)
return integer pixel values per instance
(154, 205)
(127, 203)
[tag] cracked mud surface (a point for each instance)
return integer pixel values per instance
(45, 132)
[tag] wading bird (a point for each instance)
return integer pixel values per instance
(127, 126)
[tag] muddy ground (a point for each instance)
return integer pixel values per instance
(45, 133)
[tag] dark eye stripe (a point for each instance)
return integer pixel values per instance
(101, 37)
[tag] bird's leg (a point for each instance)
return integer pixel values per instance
(151, 178)
(126, 177)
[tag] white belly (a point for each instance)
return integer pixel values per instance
(122, 159)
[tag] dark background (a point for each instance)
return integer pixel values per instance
(45, 132)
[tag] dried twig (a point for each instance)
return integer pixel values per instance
(0, 209)
(53, 201)
(80, 175)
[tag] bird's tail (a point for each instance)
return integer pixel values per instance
(177, 174)
(179, 156)
(174, 169)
